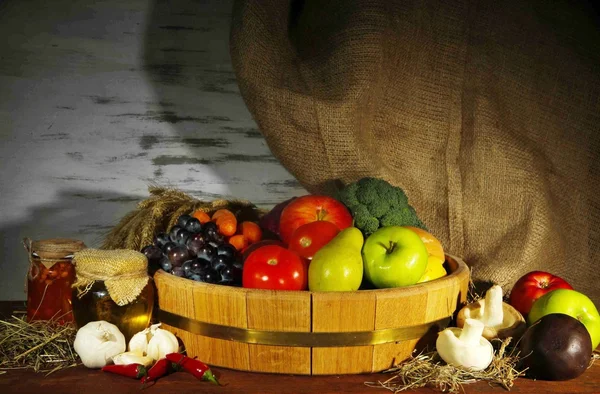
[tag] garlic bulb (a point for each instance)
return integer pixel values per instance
(132, 358)
(97, 342)
(154, 342)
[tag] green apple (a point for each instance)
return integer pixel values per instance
(394, 256)
(568, 302)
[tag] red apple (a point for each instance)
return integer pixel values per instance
(311, 208)
(532, 286)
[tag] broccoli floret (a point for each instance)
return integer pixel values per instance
(375, 203)
(348, 195)
(366, 195)
(405, 216)
(363, 219)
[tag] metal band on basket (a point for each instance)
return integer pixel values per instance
(300, 339)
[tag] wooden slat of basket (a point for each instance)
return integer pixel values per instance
(427, 302)
(227, 306)
(343, 312)
(279, 311)
(174, 297)
(392, 311)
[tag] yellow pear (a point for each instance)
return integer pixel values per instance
(338, 266)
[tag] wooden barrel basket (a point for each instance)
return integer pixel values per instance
(308, 333)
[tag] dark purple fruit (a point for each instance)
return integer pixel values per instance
(226, 250)
(206, 274)
(193, 225)
(187, 268)
(194, 245)
(161, 239)
(178, 271)
(231, 273)
(211, 276)
(556, 347)
(197, 237)
(182, 237)
(219, 261)
(173, 233)
(165, 264)
(153, 253)
(270, 221)
(200, 264)
(206, 252)
(218, 238)
(209, 229)
(167, 247)
(179, 255)
(182, 220)
(214, 244)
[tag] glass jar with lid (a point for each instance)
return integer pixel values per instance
(49, 278)
(113, 285)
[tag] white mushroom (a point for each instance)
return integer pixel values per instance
(500, 319)
(465, 348)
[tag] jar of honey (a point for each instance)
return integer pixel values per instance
(113, 285)
(49, 278)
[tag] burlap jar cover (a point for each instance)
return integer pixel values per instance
(486, 113)
(124, 273)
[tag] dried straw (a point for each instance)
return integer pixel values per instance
(428, 370)
(159, 212)
(44, 346)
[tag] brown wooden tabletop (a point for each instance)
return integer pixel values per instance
(82, 380)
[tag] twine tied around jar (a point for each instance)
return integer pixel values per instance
(49, 252)
(123, 271)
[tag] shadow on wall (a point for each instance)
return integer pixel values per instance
(186, 59)
(74, 213)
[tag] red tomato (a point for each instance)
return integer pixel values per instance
(275, 268)
(310, 237)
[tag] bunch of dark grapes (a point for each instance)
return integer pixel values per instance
(195, 251)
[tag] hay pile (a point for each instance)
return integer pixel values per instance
(44, 346)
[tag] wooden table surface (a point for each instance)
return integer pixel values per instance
(82, 380)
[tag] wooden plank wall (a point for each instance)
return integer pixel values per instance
(100, 98)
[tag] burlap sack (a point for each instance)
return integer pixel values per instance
(487, 113)
(124, 272)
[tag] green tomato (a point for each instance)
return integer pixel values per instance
(394, 256)
(568, 302)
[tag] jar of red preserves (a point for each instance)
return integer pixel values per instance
(49, 278)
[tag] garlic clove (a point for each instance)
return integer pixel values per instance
(132, 358)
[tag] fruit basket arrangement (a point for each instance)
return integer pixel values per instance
(318, 285)
(285, 291)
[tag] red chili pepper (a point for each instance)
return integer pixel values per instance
(193, 366)
(135, 371)
(158, 370)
